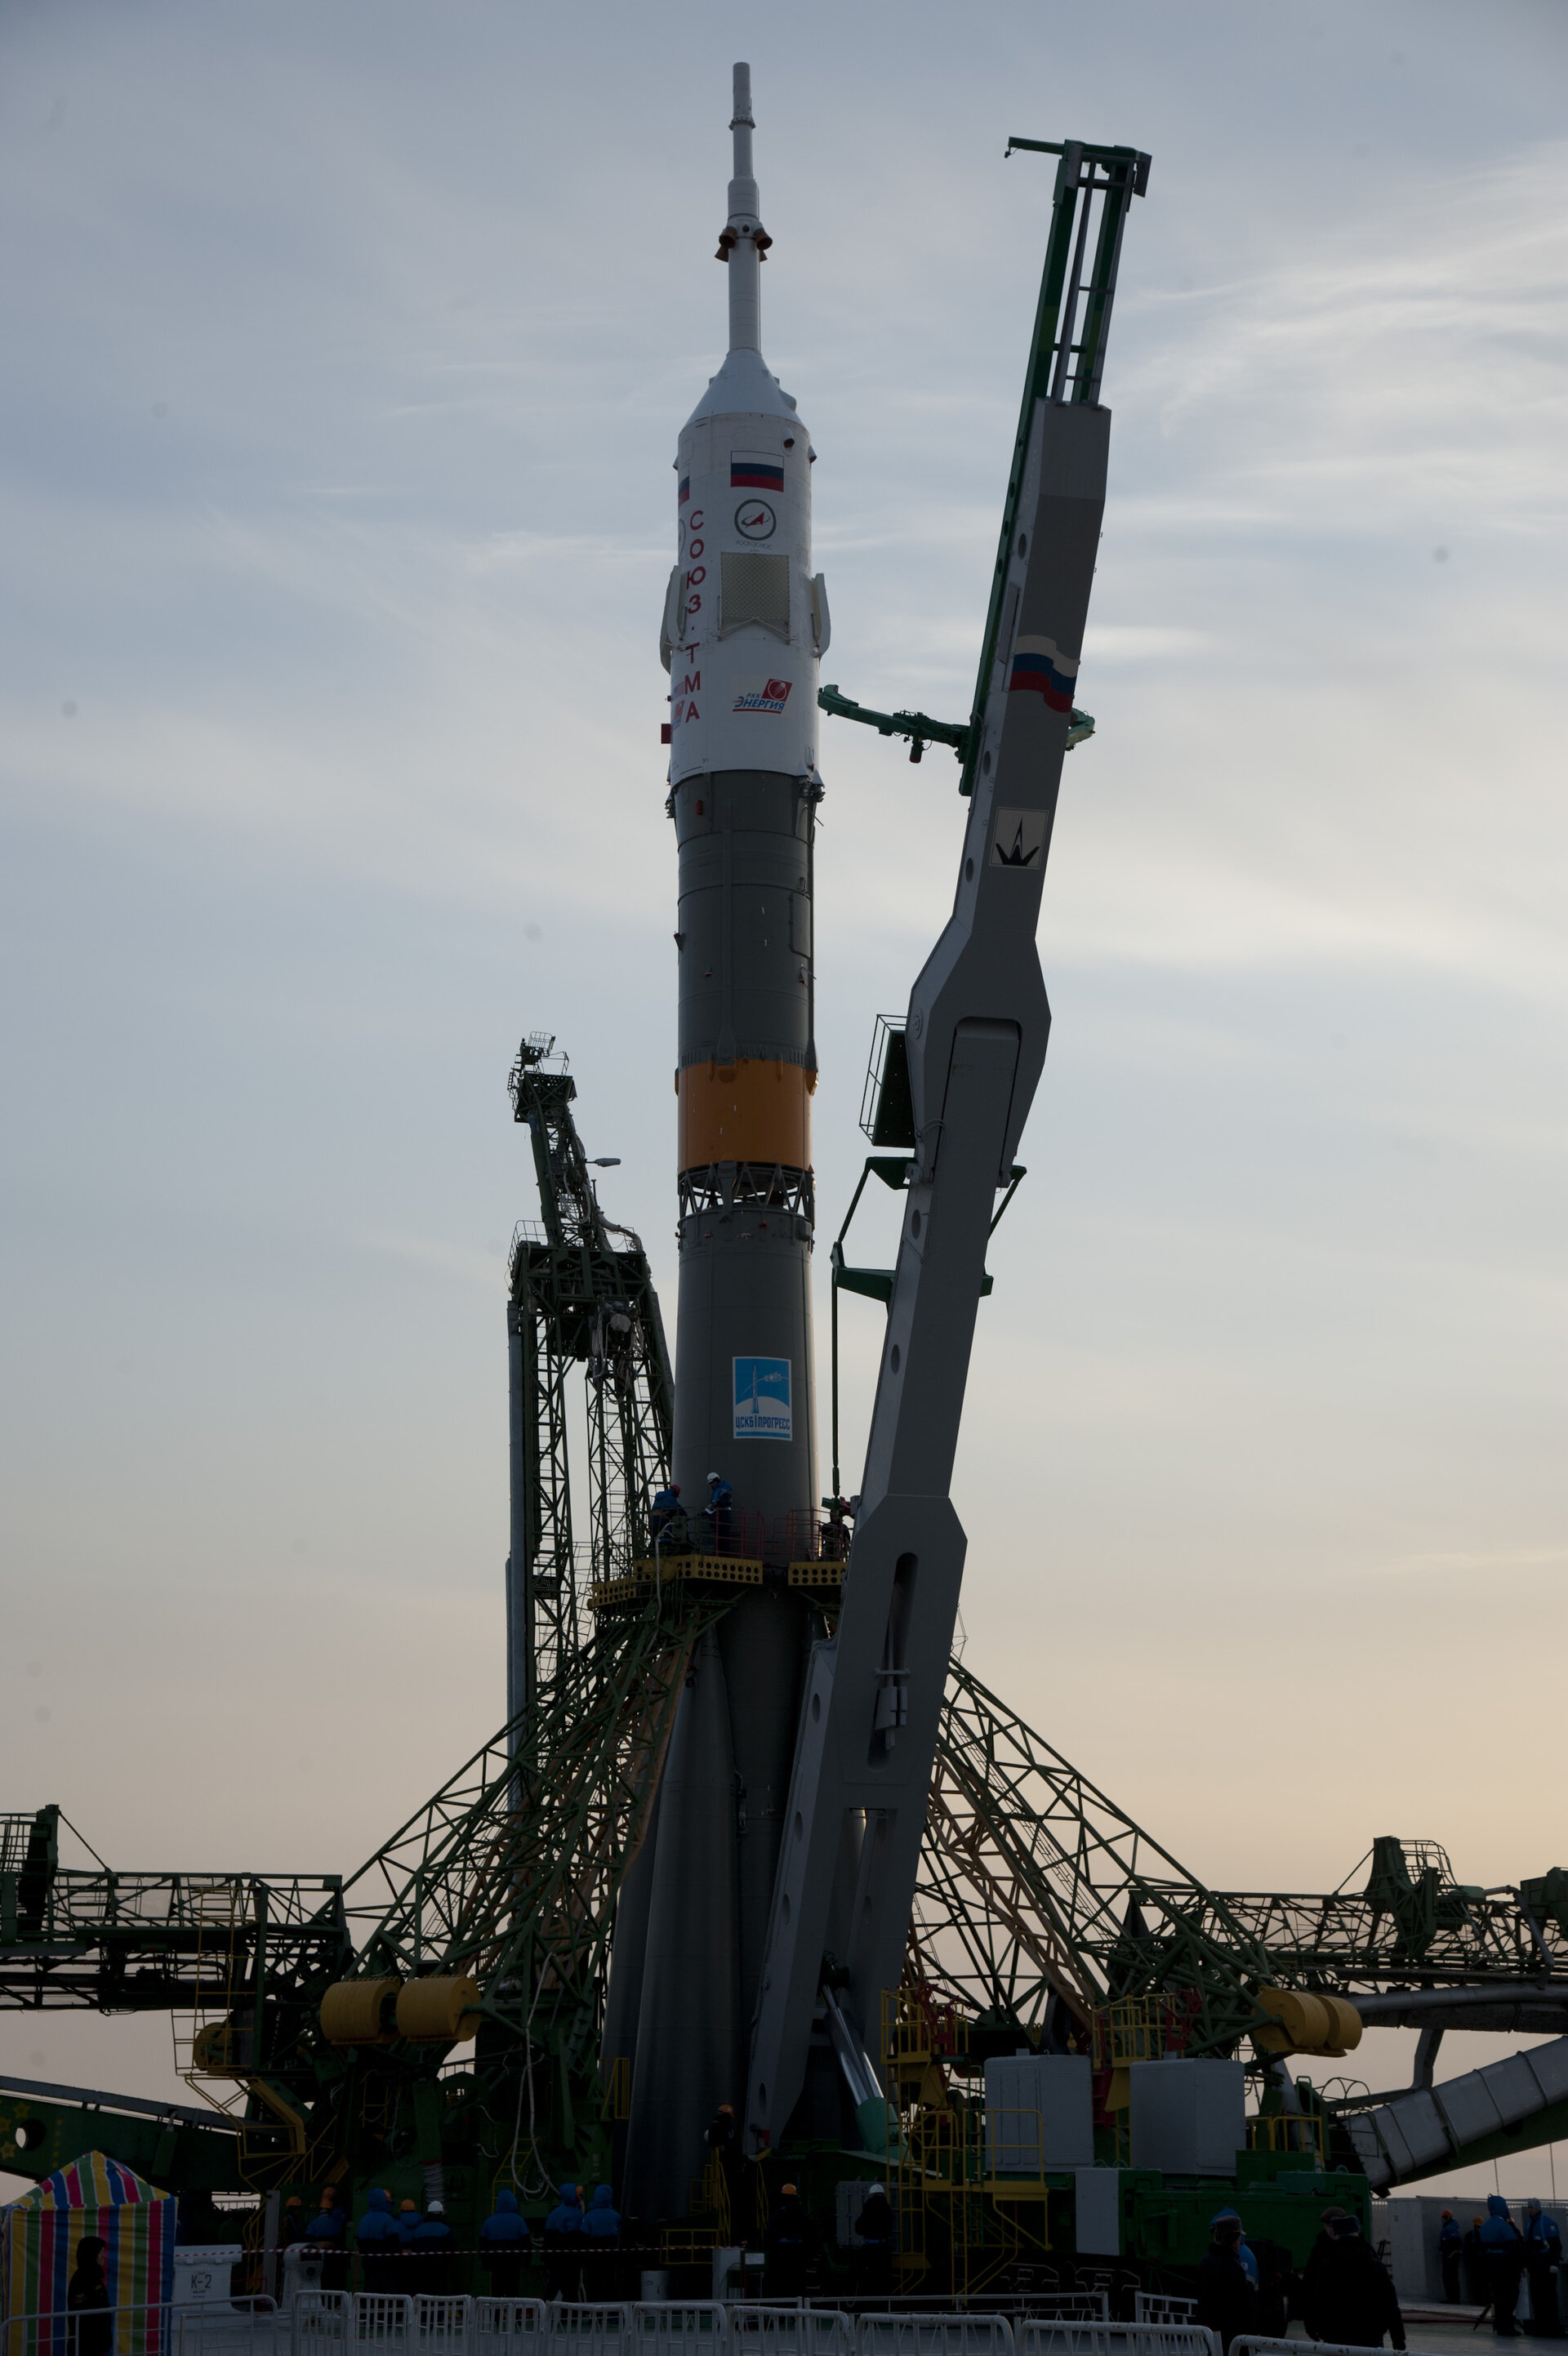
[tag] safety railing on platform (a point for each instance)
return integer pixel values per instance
(1163, 2306)
(1070, 2306)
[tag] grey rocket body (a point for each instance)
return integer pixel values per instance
(745, 622)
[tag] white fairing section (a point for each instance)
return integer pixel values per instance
(743, 671)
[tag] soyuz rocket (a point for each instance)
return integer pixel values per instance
(744, 626)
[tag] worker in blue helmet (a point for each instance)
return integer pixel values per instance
(1543, 2257)
(719, 1512)
(1502, 2263)
(667, 1520)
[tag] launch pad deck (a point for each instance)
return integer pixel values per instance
(824, 1578)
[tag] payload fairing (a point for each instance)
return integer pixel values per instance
(745, 623)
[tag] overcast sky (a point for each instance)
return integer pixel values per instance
(348, 350)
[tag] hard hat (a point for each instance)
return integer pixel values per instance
(790, 2193)
(437, 2208)
(878, 2191)
(674, 1488)
(411, 2204)
(726, 2110)
(716, 1476)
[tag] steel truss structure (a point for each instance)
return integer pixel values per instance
(1034, 1884)
(580, 1295)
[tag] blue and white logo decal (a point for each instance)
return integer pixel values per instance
(762, 1400)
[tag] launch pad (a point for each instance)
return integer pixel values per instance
(751, 1835)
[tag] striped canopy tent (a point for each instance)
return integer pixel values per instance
(43, 2232)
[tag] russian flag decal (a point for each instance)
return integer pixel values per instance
(686, 490)
(1039, 670)
(749, 472)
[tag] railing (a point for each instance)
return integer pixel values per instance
(935, 2335)
(1119, 2340)
(1288, 2131)
(248, 2327)
(509, 2327)
(582, 2328)
(1160, 2306)
(678, 2328)
(791, 2331)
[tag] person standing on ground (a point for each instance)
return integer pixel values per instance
(378, 2244)
(1543, 2257)
(564, 2246)
(504, 2242)
(876, 2226)
(1450, 2249)
(1226, 2295)
(601, 2240)
(789, 2234)
(1354, 2300)
(431, 2249)
(1502, 2263)
(87, 2299)
(327, 2232)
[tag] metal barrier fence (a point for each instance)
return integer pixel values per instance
(936, 2335)
(1160, 2306)
(1069, 2306)
(320, 2320)
(573, 2328)
(791, 2331)
(1118, 2339)
(668, 2326)
(509, 2327)
(206, 2327)
(1254, 2346)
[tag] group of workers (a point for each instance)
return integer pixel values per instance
(1346, 2295)
(1498, 2257)
(669, 1524)
(409, 2251)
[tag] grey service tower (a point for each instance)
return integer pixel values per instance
(745, 623)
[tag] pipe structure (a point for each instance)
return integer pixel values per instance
(744, 624)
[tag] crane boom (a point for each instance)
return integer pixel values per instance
(976, 1032)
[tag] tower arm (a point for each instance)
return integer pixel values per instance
(977, 1034)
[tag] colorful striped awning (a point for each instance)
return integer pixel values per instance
(39, 2237)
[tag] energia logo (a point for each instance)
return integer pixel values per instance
(767, 695)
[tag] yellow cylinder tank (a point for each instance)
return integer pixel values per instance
(359, 2012)
(438, 2010)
